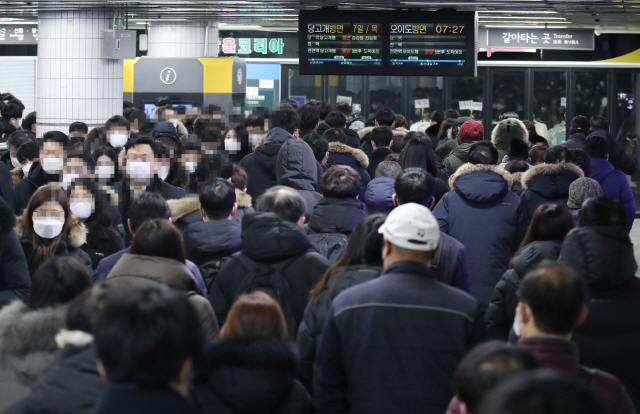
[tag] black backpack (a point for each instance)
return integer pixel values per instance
(269, 278)
(329, 245)
(210, 269)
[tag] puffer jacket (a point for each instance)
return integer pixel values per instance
(28, 185)
(185, 211)
(342, 154)
(296, 167)
(14, 271)
(207, 240)
(335, 215)
(340, 279)
(608, 337)
(260, 165)
(459, 156)
(263, 372)
(504, 300)
(517, 183)
(482, 213)
(27, 345)
(379, 196)
(615, 185)
(547, 183)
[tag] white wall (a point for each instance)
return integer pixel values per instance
(18, 76)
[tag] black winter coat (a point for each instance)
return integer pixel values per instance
(296, 167)
(342, 154)
(317, 309)
(6, 184)
(504, 300)
(208, 240)
(260, 165)
(250, 375)
(269, 238)
(432, 133)
(27, 186)
(617, 157)
(335, 215)
(547, 183)
(14, 271)
(482, 213)
(609, 337)
(133, 398)
(376, 157)
(575, 141)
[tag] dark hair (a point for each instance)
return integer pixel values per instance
(516, 166)
(483, 152)
(580, 124)
(158, 237)
(100, 232)
(283, 201)
(145, 335)
(57, 136)
(518, 150)
(147, 206)
(344, 107)
(28, 151)
(602, 211)
(143, 139)
(12, 111)
(257, 120)
(309, 116)
(401, 121)
(117, 121)
(28, 121)
(451, 113)
(18, 102)
(291, 102)
(542, 391)
(217, 200)
(385, 117)
(324, 108)
(364, 248)
(436, 116)
(418, 154)
(78, 127)
(340, 181)
(239, 178)
(209, 130)
(382, 136)
(336, 119)
(599, 122)
(335, 135)
(537, 154)
(595, 146)
(141, 117)
(319, 145)
(57, 281)
(446, 125)
(162, 101)
(486, 366)
(557, 154)
(582, 160)
(389, 169)
(556, 295)
(111, 153)
(286, 118)
(97, 137)
(415, 185)
(212, 167)
(510, 114)
(19, 137)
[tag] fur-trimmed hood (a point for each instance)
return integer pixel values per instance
(481, 183)
(399, 132)
(182, 206)
(243, 199)
(506, 130)
(359, 155)
(23, 330)
(563, 171)
(76, 237)
(517, 177)
(469, 168)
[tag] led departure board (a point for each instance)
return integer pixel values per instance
(388, 43)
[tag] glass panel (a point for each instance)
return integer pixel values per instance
(468, 89)
(627, 125)
(591, 94)
(549, 103)
(385, 92)
(346, 88)
(508, 94)
(421, 88)
(301, 86)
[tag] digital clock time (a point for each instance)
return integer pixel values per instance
(448, 28)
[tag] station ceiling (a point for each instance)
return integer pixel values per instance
(602, 15)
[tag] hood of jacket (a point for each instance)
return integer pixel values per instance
(242, 199)
(360, 158)
(481, 183)
(269, 237)
(506, 130)
(180, 207)
(517, 177)
(600, 169)
(336, 215)
(551, 180)
(462, 151)
(296, 166)
(251, 375)
(135, 269)
(165, 129)
(432, 130)
(76, 237)
(379, 195)
(534, 253)
(23, 330)
(208, 239)
(7, 218)
(602, 254)
(267, 154)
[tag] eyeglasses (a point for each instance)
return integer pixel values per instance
(57, 214)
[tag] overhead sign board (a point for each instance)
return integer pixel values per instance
(257, 44)
(13, 34)
(563, 39)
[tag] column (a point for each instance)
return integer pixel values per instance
(74, 83)
(183, 39)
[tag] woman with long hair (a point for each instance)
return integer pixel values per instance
(254, 351)
(418, 153)
(47, 229)
(543, 241)
(106, 171)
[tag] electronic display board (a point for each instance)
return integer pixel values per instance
(388, 43)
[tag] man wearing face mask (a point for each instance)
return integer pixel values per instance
(169, 114)
(27, 154)
(14, 141)
(118, 131)
(78, 132)
(11, 118)
(47, 170)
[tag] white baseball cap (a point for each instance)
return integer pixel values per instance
(411, 226)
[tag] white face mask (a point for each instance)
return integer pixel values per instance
(67, 179)
(47, 228)
(118, 140)
(105, 172)
(134, 131)
(25, 169)
(254, 138)
(15, 162)
(82, 209)
(163, 172)
(52, 165)
(190, 166)
(232, 145)
(17, 123)
(139, 171)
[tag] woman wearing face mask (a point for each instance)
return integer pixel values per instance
(48, 229)
(106, 165)
(91, 206)
(170, 169)
(236, 143)
(27, 154)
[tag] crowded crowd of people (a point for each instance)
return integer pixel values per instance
(308, 261)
